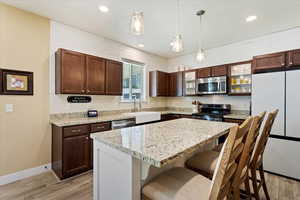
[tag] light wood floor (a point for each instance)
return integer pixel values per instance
(47, 187)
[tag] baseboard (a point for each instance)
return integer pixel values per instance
(9, 178)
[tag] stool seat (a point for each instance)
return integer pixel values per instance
(178, 184)
(204, 163)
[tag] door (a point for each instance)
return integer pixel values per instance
(294, 58)
(269, 62)
(76, 155)
(282, 157)
(162, 83)
(173, 84)
(292, 103)
(204, 72)
(268, 94)
(219, 70)
(73, 72)
(114, 76)
(95, 82)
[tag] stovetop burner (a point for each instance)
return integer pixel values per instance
(213, 112)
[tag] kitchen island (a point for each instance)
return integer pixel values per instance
(125, 159)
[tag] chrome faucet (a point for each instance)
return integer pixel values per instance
(135, 106)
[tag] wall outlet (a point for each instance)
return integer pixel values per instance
(9, 107)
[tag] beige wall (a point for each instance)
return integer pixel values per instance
(25, 133)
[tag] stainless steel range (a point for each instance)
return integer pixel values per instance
(213, 112)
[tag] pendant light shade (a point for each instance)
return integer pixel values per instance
(137, 23)
(201, 53)
(177, 44)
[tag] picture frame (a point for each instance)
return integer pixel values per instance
(15, 82)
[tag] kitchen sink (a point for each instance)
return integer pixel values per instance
(144, 117)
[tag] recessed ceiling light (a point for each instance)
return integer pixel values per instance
(103, 9)
(141, 45)
(251, 18)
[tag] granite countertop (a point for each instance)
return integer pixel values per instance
(162, 143)
(66, 120)
(237, 116)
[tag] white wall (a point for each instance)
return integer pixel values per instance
(63, 36)
(236, 52)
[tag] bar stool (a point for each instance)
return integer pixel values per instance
(185, 184)
(257, 159)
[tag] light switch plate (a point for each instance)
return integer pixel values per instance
(9, 107)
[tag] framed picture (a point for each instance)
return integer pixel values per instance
(13, 82)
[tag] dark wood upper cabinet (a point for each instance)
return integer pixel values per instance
(219, 70)
(70, 72)
(204, 72)
(76, 155)
(158, 83)
(95, 81)
(294, 58)
(78, 73)
(269, 62)
(165, 84)
(114, 77)
(176, 84)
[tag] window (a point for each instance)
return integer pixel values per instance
(133, 81)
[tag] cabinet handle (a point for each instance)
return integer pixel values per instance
(282, 64)
(76, 131)
(291, 63)
(100, 127)
(82, 90)
(86, 138)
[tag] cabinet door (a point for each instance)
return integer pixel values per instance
(76, 155)
(162, 83)
(95, 82)
(292, 104)
(173, 84)
(72, 72)
(270, 62)
(204, 72)
(219, 70)
(294, 58)
(114, 76)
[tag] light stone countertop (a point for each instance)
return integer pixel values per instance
(162, 143)
(70, 121)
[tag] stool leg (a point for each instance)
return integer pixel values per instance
(247, 186)
(262, 177)
(254, 183)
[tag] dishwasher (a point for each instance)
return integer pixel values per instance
(117, 124)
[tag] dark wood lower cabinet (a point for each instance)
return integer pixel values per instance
(76, 155)
(238, 121)
(72, 148)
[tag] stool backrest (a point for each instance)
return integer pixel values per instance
(262, 141)
(244, 161)
(228, 161)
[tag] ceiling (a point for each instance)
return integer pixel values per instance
(223, 23)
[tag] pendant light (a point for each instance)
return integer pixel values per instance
(137, 23)
(200, 54)
(177, 44)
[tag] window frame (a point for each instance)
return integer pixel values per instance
(143, 96)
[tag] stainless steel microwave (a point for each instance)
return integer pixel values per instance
(213, 85)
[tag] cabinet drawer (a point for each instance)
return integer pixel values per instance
(76, 130)
(99, 127)
(238, 121)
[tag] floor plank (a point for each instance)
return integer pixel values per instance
(47, 187)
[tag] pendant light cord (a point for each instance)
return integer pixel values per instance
(200, 32)
(178, 17)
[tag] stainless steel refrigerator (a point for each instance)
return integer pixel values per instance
(280, 90)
